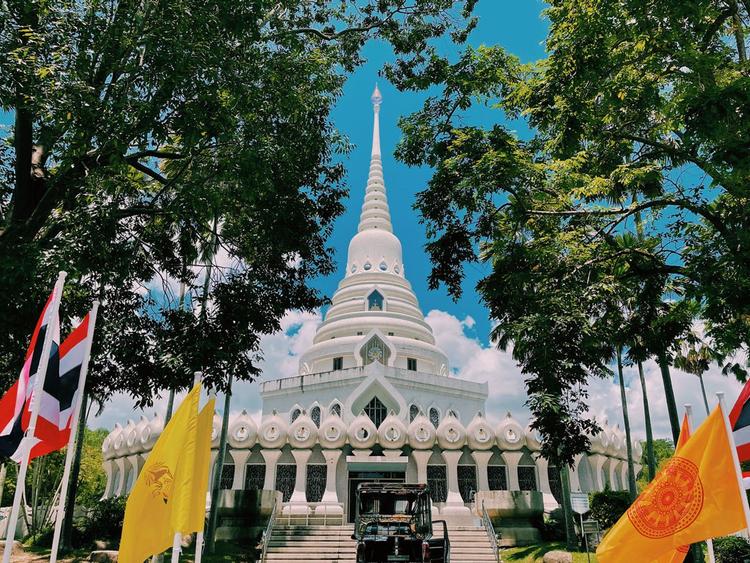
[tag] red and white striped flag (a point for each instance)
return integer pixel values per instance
(739, 418)
(14, 416)
(60, 394)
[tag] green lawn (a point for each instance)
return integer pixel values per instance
(534, 553)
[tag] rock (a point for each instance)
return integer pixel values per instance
(558, 557)
(103, 556)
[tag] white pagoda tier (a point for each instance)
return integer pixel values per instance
(374, 401)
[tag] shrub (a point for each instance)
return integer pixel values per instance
(103, 521)
(553, 528)
(607, 507)
(731, 550)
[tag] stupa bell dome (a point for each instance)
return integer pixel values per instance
(392, 432)
(510, 434)
(451, 434)
(242, 432)
(422, 433)
(303, 433)
(332, 433)
(479, 433)
(362, 433)
(273, 431)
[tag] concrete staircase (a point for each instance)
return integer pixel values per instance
(311, 544)
(470, 544)
(333, 544)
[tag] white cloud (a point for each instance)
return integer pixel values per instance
(471, 359)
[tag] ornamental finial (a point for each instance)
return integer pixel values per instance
(376, 97)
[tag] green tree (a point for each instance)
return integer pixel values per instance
(136, 125)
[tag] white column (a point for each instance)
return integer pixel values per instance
(421, 457)
(512, 459)
(109, 471)
(121, 465)
(482, 459)
(597, 464)
(299, 496)
(575, 481)
(613, 465)
(454, 504)
(271, 457)
(623, 469)
(240, 461)
(332, 459)
(541, 469)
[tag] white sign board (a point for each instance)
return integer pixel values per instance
(579, 502)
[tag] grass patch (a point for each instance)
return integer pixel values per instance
(534, 553)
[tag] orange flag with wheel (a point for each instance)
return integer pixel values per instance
(695, 496)
(678, 555)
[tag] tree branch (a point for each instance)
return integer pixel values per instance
(148, 172)
(153, 153)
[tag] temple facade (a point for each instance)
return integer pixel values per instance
(374, 400)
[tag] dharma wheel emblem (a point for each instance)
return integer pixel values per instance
(241, 433)
(332, 433)
(452, 435)
(482, 436)
(272, 432)
(302, 433)
(671, 502)
(422, 434)
(511, 436)
(392, 434)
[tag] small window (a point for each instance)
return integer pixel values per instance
(413, 412)
(434, 417)
(315, 415)
(390, 334)
(359, 333)
(336, 409)
(295, 414)
(375, 301)
(411, 364)
(338, 363)
(227, 475)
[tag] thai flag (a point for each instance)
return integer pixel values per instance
(14, 415)
(739, 418)
(60, 394)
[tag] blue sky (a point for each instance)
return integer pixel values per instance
(516, 25)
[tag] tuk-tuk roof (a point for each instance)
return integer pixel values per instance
(393, 488)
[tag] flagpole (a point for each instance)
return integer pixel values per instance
(735, 457)
(35, 401)
(199, 535)
(709, 541)
(73, 433)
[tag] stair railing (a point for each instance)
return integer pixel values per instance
(490, 529)
(266, 537)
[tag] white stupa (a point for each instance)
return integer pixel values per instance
(374, 401)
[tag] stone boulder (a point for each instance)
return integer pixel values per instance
(558, 557)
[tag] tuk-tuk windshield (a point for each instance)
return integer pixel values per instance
(373, 503)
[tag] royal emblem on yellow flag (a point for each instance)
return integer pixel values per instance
(161, 495)
(694, 497)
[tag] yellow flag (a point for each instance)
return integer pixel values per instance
(694, 497)
(159, 498)
(201, 469)
(678, 555)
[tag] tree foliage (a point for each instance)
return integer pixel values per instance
(140, 129)
(621, 217)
